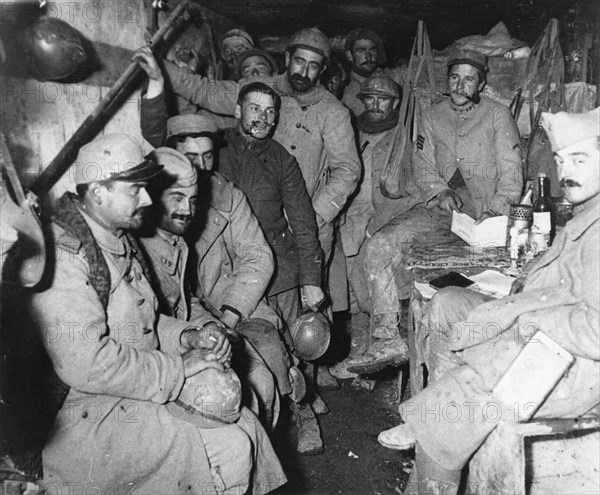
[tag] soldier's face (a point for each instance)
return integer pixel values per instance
(256, 114)
(124, 204)
(303, 68)
(377, 107)
(232, 47)
(578, 168)
(463, 83)
(199, 151)
(177, 209)
(364, 57)
(255, 66)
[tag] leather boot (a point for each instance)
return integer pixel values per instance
(385, 326)
(429, 478)
(309, 434)
(325, 380)
(381, 354)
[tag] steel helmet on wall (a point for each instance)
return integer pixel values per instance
(52, 49)
(311, 335)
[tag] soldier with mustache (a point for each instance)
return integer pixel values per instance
(366, 54)
(467, 158)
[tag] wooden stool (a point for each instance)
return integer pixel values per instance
(554, 456)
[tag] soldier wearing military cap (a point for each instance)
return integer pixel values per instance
(313, 126)
(467, 158)
(557, 295)
(379, 130)
(113, 351)
(365, 51)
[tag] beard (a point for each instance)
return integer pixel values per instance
(300, 83)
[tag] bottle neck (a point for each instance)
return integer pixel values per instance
(543, 187)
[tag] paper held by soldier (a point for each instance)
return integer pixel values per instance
(490, 233)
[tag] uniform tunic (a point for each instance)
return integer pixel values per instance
(272, 181)
(560, 298)
(113, 433)
(314, 127)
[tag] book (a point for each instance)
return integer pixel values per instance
(491, 233)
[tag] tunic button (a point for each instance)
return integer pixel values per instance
(147, 331)
(298, 125)
(293, 146)
(141, 301)
(544, 298)
(562, 280)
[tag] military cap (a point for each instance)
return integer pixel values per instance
(312, 39)
(190, 124)
(379, 84)
(176, 166)
(113, 157)
(470, 57)
(236, 33)
(565, 129)
(255, 52)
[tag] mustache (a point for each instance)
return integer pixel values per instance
(300, 78)
(472, 99)
(375, 111)
(179, 216)
(569, 183)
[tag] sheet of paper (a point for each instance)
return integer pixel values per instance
(489, 233)
(493, 282)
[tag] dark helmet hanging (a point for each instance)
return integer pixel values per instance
(52, 49)
(311, 335)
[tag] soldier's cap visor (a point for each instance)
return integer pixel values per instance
(140, 173)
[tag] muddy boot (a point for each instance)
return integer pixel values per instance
(325, 380)
(385, 326)
(359, 334)
(318, 405)
(359, 344)
(309, 435)
(381, 354)
(298, 384)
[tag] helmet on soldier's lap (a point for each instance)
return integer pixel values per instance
(311, 335)
(311, 39)
(210, 399)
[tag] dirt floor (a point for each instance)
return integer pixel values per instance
(353, 461)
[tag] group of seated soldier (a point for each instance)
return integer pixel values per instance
(186, 268)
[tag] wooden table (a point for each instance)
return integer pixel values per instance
(432, 256)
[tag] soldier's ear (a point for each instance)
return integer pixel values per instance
(237, 112)
(396, 103)
(287, 58)
(349, 56)
(95, 192)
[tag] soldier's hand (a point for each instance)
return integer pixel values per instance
(450, 201)
(147, 62)
(210, 337)
(485, 215)
(312, 296)
(197, 360)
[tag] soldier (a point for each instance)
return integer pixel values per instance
(467, 158)
(314, 127)
(369, 211)
(174, 194)
(556, 295)
(99, 324)
(365, 51)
